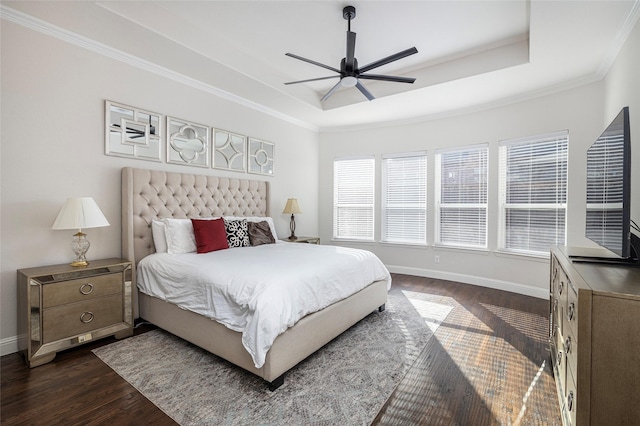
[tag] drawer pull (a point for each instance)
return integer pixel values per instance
(570, 401)
(559, 360)
(86, 288)
(567, 345)
(560, 287)
(86, 317)
(571, 311)
(555, 305)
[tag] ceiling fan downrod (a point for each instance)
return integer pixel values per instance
(349, 13)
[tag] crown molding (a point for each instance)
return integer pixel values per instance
(70, 37)
(620, 39)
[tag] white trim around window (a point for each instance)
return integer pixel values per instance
(404, 198)
(533, 193)
(354, 198)
(461, 196)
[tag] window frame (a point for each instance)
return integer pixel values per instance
(420, 207)
(503, 206)
(369, 206)
(439, 205)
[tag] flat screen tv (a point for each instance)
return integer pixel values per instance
(608, 215)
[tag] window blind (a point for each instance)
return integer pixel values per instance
(605, 191)
(353, 198)
(404, 198)
(533, 193)
(462, 197)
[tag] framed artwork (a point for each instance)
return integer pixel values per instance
(229, 151)
(187, 143)
(132, 132)
(261, 157)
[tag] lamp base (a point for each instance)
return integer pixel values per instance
(292, 227)
(80, 245)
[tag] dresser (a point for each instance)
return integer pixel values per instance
(61, 306)
(594, 336)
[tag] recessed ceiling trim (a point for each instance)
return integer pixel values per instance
(620, 40)
(70, 37)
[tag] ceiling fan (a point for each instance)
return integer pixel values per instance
(350, 74)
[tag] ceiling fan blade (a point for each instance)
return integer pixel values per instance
(393, 78)
(313, 62)
(364, 91)
(330, 92)
(389, 59)
(351, 51)
(312, 79)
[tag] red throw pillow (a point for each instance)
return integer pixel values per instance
(210, 235)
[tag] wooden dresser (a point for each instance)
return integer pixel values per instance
(61, 306)
(595, 339)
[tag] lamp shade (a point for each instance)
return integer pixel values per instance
(79, 213)
(292, 206)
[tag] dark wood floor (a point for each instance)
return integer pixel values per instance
(476, 370)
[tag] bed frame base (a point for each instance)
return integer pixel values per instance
(297, 343)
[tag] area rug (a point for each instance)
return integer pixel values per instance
(345, 383)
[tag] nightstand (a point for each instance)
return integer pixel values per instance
(61, 306)
(308, 240)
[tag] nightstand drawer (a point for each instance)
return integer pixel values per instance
(81, 317)
(81, 289)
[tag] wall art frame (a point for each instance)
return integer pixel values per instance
(229, 150)
(188, 143)
(132, 132)
(261, 158)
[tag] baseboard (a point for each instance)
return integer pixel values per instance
(8, 345)
(541, 293)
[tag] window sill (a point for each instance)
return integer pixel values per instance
(459, 248)
(348, 241)
(404, 245)
(524, 256)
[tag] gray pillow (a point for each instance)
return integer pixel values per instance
(260, 233)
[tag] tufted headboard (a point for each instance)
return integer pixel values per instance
(152, 194)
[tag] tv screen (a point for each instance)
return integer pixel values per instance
(608, 221)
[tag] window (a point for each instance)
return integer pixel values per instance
(353, 198)
(533, 193)
(461, 197)
(404, 198)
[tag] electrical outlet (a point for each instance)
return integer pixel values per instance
(437, 259)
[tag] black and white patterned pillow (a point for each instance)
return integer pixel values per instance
(237, 233)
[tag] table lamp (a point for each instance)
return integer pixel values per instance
(78, 213)
(291, 208)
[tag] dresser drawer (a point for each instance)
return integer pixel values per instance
(81, 289)
(68, 320)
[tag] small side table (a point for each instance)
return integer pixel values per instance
(61, 306)
(308, 240)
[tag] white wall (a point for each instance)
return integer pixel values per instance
(578, 110)
(52, 148)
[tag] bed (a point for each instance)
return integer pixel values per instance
(149, 194)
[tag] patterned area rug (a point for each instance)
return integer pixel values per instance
(345, 383)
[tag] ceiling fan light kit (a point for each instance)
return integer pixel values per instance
(349, 73)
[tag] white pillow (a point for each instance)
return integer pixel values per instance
(159, 237)
(180, 236)
(257, 219)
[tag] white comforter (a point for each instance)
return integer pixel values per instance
(260, 291)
